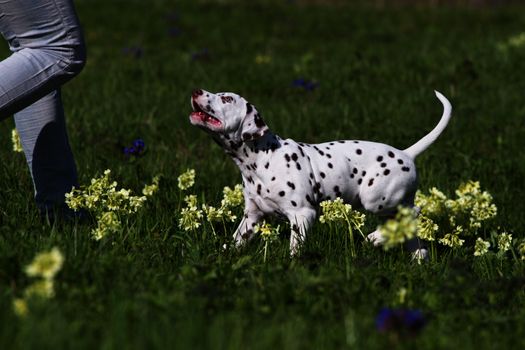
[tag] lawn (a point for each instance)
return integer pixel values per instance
(370, 72)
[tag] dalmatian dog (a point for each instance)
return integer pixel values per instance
(289, 179)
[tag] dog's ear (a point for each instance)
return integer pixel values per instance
(253, 126)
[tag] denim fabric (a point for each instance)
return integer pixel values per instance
(47, 50)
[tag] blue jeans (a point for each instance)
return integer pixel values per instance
(47, 50)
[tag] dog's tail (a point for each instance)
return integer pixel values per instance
(414, 150)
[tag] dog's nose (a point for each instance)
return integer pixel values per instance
(197, 93)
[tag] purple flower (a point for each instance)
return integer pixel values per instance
(403, 321)
(136, 149)
(308, 85)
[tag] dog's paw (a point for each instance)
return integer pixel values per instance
(376, 238)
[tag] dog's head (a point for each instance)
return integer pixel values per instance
(227, 116)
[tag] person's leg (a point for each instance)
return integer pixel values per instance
(43, 136)
(48, 50)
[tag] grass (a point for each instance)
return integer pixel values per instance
(156, 286)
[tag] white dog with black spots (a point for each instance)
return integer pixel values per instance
(289, 179)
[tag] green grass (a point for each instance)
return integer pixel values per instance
(155, 286)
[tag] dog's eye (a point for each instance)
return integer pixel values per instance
(227, 99)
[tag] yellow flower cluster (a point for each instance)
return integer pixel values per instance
(338, 211)
(400, 229)
(191, 216)
(471, 207)
(44, 266)
(263, 59)
(15, 138)
(481, 247)
(268, 232)
(186, 180)
(514, 42)
(504, 242)
(107, 203)
(452, 239)
(458, 218)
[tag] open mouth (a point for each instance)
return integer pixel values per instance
(198, 115)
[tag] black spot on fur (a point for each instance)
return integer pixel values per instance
(294, 157)
(386, 172)
(359, 151)
(282, 193)
(405, 168)
(328, 156)
(331, 143)
(267, 165)
(341, 141)
(383, 165)
(364, 173)
(298, 166)
(371, 182)
(400, 161)
(323, 175)
(391, 154)
(259, 189)
(311, 176)
(249, 108)
(287, 157)
(308, 199)
(380, 158)
(273, 178)
(360, 181)
(293, 203)
(330, 165)
(258, 121)
(380, 207)
(291, 185)
(301, 150)
(356, 141)
(352, 176)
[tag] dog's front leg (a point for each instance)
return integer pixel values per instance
(300, 223)
(245, 231)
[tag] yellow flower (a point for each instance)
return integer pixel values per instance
(17, 144)
(433, 204)
(232, 198)
(263, 59)
(452, 239)
(481, 247)
(149, 190)
(190, 218)
(504, 242)
(212, 213)
(426, 228)
(186, 179)
(337, 210)
(46, 264)
(41, 289)
(20, 307)
(267, 232)
(400, 229)
(102, 197)
(108, 223)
